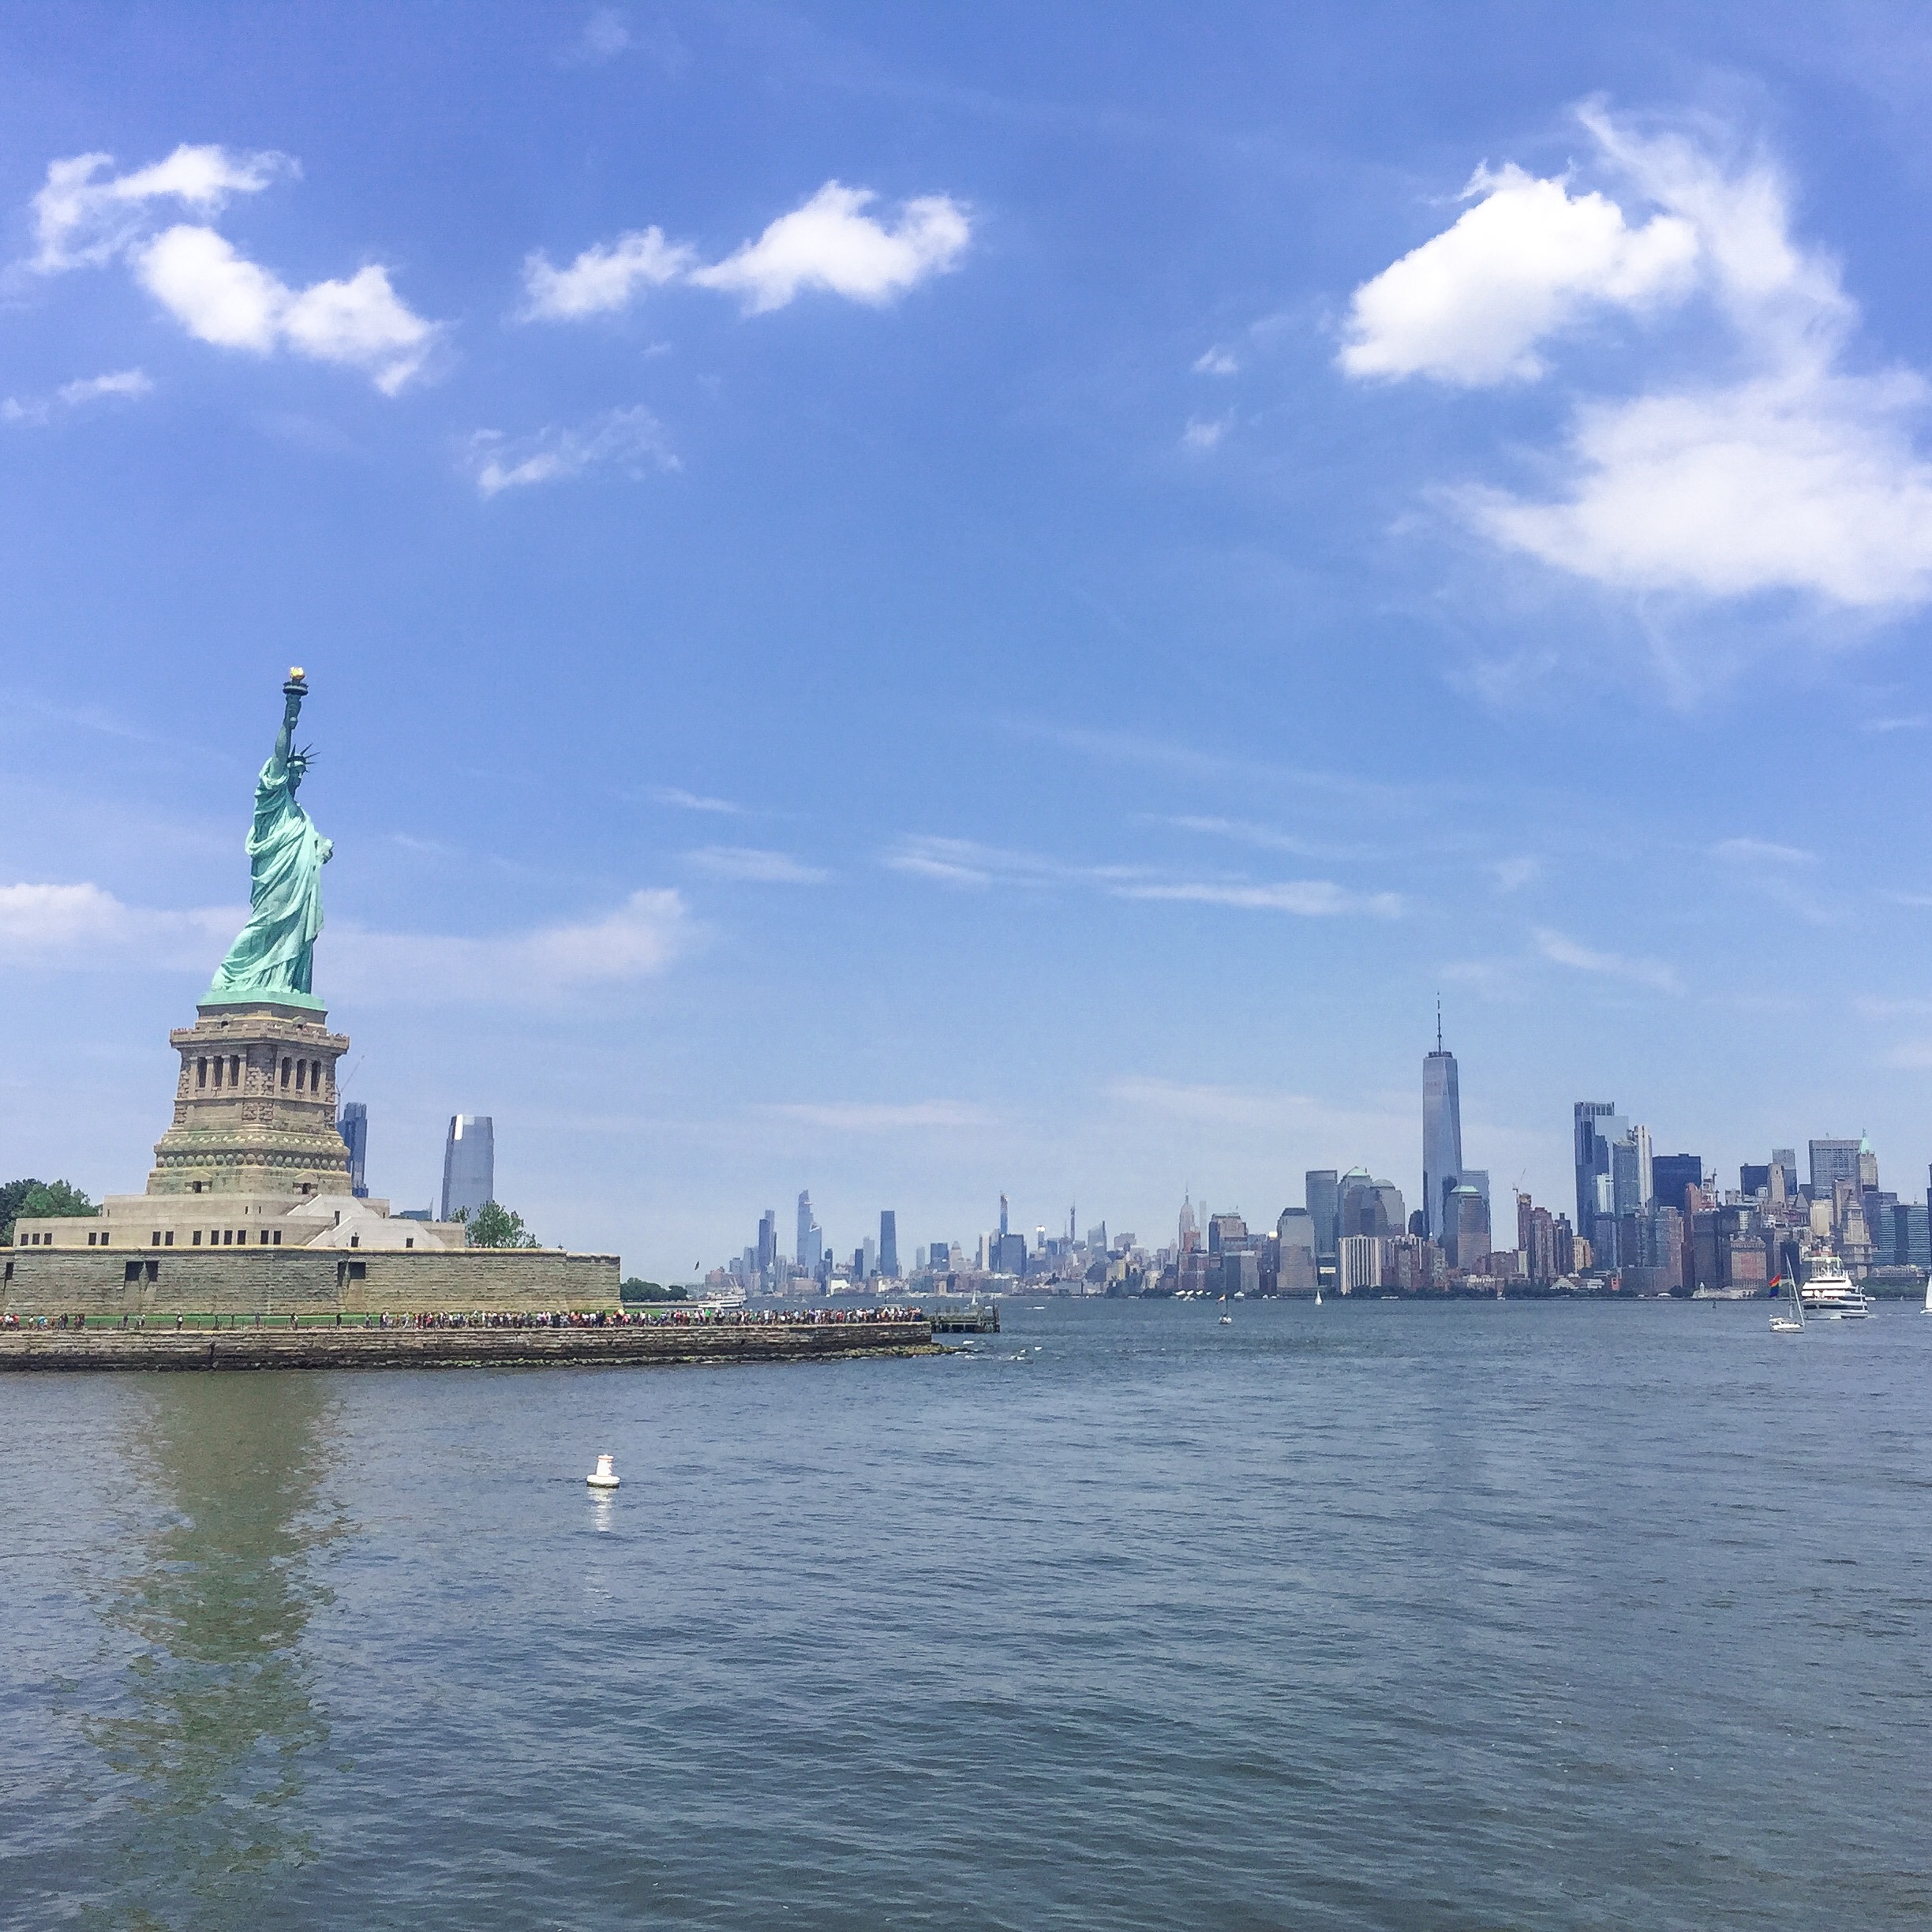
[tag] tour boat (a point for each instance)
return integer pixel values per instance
(1828, 1291)
(604, 1476)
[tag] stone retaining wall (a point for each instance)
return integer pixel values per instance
(306, 1281)
(661, 1343)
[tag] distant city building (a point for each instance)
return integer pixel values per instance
(1358, 1263)
(1188, 1232)
(1009, 1254)
(1753, 1179)
(868, 1259)
(1833, 1161)
(1911, 1240)
(1320, 1197)
(469, 1164)
(1671, 1174)
(1631, 1172)
(1226, 1234)
(889, 1244)
(353, 1127)
(1442, 1131)
(1295, 1267)
(1466, 1230)
(1787, 1158)
(767, 1256)
(811, 1237)
(1003, 1217)
(1597, 1126)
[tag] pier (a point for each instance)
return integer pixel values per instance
(646, 1344)
(980, 1318)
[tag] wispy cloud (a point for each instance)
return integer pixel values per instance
(1204, 433)
(756, 866)
(1761, 852)
(630, 440)
(830, 243)
(1513, 874)
(124, 385)
(874, 1117)
(1917, 722)
(692, 801)
(1560, 951)
(966, 863)
(1217, 361)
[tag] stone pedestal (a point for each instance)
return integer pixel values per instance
(254, 1106)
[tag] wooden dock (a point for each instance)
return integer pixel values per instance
(978, 1318)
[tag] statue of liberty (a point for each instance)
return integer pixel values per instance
(273, 957)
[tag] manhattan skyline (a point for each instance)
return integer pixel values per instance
(1009, 640)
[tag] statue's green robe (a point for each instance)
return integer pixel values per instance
(274, 951)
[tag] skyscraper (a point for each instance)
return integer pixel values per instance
(353, 1128)
(1318, 1196)
(810, 1238)
(768, 1244)
(1442, 1131)
(1003, 1217)
(1671, 1174)
(889, 1243)
(469, 1164)
(1597, 1126)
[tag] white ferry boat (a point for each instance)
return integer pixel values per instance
(1828, 1291)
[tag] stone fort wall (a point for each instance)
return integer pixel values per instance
(306, 1281)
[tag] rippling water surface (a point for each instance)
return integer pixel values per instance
(1376, 1615)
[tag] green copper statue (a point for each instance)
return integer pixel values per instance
(273, 958)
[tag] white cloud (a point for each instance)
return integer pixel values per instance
(123, 383)
(216, 293)
(692, 801)
(1470, 305)
(758, 867)
(1777, 470)
(82, 221)
(1202, 434)
(1752, 852)
(633, 439)
(1312, 898)
(1562, 952)
(1512, 874)
(605, 35)
(640, 939)
(603, 279)
(831, 243)
(965, 863)
(1217, 362)
(868, 1117)
(220, 297)
(81, 926)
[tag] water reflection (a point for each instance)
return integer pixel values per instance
(217, 1726)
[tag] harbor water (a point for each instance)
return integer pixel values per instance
(1379, 1614)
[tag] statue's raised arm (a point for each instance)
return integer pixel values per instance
(273, 957)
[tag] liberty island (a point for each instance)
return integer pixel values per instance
(249, 1215)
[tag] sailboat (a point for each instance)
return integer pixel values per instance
(1227, 1320)
(1792, 1324)
(1928, 1306)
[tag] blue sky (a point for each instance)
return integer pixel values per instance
(913, 604)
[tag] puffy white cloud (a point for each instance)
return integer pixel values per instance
(831, 243)
(81, 221)
(1777, 471)
(1204, 432)
(1802, 482)
(603, 279)
(220, 297)
(1560, 951)
(1470, 305)
(630, 438)
(756, 866)
(217, 294)
(79, 926)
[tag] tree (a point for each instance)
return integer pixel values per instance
(494, 1225)
(636, 1290)
(39, 1201)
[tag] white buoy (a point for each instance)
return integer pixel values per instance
(602, 1476)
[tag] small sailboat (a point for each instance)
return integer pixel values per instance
(1792, 1324)
(1928, 1306)
(605, 1475)
(1227, 1320)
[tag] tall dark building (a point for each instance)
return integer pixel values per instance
(1596, 1128)
(889, 1243)
(353, 1128)
(1442, 1132)
(1318, 1196)
(1671, 1174)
